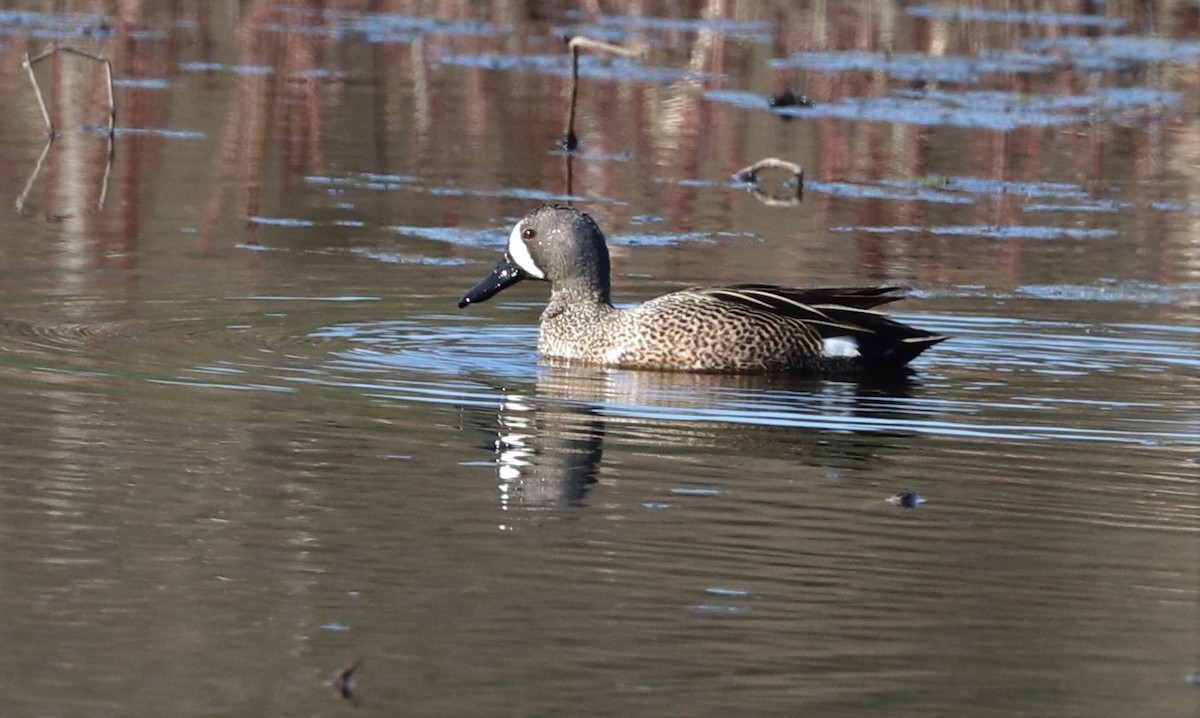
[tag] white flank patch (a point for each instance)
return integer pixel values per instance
(840, 347)
(614, 355)
(520, 253)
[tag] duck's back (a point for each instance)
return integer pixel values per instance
(739, 329)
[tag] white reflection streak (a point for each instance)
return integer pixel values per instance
(513, 453)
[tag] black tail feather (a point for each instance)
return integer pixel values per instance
(840, 312)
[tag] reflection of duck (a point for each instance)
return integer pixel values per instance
(550, 443)
(741, 328)
(547, 454)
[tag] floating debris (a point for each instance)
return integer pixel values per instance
(907, 499)
(750, 173)
(795, 190)
(343, 682)
(788, 99)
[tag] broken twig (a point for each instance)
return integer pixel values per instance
(750, 175)
(570, 142)
(343, 682)
(29, 62)
(20, 203)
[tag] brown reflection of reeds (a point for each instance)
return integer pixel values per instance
(479, 129)
(286, 101)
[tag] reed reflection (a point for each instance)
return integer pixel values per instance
(281, 91)
(550, 444)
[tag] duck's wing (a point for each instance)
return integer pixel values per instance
(835, 312)
(857, 297)
(819, 306)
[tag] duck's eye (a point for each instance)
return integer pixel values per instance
(528, 233)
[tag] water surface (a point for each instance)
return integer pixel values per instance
(246, 438)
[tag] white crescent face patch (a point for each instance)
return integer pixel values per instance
(520, 254)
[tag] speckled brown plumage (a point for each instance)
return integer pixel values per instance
(739, 328)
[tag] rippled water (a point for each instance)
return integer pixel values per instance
(246, 438)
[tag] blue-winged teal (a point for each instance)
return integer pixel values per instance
(740, 328)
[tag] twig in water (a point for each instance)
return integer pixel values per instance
(20, 203)
(574, 45)
(28, 63)
(750, 175)
(343, 682)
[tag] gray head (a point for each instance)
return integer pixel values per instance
(553, 243)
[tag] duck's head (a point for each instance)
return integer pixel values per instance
(554, 243)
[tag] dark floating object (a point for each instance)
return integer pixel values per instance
(343, 682)
(788, 99)
(907, 499)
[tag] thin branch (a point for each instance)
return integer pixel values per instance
(570, 141)
(20, 203)
(575, 44)
(108, 164)
(569, 155)
(37, 92)
(29, 62)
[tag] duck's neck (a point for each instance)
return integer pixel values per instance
(572, 321)
(577, 299)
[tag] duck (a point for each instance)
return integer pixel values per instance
(749, 328)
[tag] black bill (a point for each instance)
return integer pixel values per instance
(506, 274)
